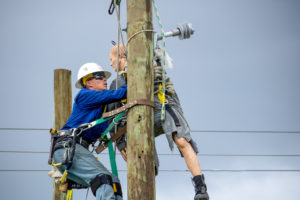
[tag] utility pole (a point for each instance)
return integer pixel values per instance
(62, 111)
(140, 139)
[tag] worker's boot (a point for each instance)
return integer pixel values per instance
(200, 188)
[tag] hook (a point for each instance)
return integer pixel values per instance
(111, 8)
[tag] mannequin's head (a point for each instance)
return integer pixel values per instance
(113, 57)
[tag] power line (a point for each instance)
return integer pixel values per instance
(177, 154)
(243, 131)
(25, 129)
(238, 155)
(193, 131)
(235, 170)
(172, 170)
(38, 152)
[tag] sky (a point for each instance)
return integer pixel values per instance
(237, 79)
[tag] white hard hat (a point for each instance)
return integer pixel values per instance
(87, 69)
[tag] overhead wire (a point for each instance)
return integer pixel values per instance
(193, 131)
(25, 129)
(172, 170)
(170, 154)
(245, 131)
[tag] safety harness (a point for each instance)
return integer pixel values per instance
(67, 139)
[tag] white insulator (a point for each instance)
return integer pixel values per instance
(183, 31)
(186, 30)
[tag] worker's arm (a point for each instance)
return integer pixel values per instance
(121, 142)
(92, 98)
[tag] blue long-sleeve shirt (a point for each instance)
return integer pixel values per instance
(88, 106)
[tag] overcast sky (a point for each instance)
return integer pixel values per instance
(239, 72)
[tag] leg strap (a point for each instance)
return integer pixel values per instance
(117, 189)
(105, 179)
(100, 180)
(74, 185)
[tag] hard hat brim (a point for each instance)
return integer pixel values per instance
(78, 83)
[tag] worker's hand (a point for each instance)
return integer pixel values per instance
(123, 153)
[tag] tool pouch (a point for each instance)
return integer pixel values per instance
(64, 139)
(54, 136)
(51, 150)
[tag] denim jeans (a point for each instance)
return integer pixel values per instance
(84, 169)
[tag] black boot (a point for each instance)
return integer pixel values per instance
(200, 188)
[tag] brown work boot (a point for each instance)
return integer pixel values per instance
(200, 188)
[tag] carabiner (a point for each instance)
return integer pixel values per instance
(111, 8)
(78, 131)
(85, 126)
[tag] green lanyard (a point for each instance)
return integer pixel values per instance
(110, 146)
(105, 138)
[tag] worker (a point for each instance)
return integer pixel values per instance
(174, 126)
(89, 104)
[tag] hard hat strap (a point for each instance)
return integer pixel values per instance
(84, 79)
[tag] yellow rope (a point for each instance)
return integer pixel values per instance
(161, 96)
(69, 194)
(55, 164)
(64, 177)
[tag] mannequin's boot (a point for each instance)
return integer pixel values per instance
(200, 188)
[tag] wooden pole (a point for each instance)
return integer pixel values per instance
(62, 111)
(140, 140)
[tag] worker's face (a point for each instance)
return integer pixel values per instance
(97, 84)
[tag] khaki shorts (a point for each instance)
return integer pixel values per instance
(168, 127)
